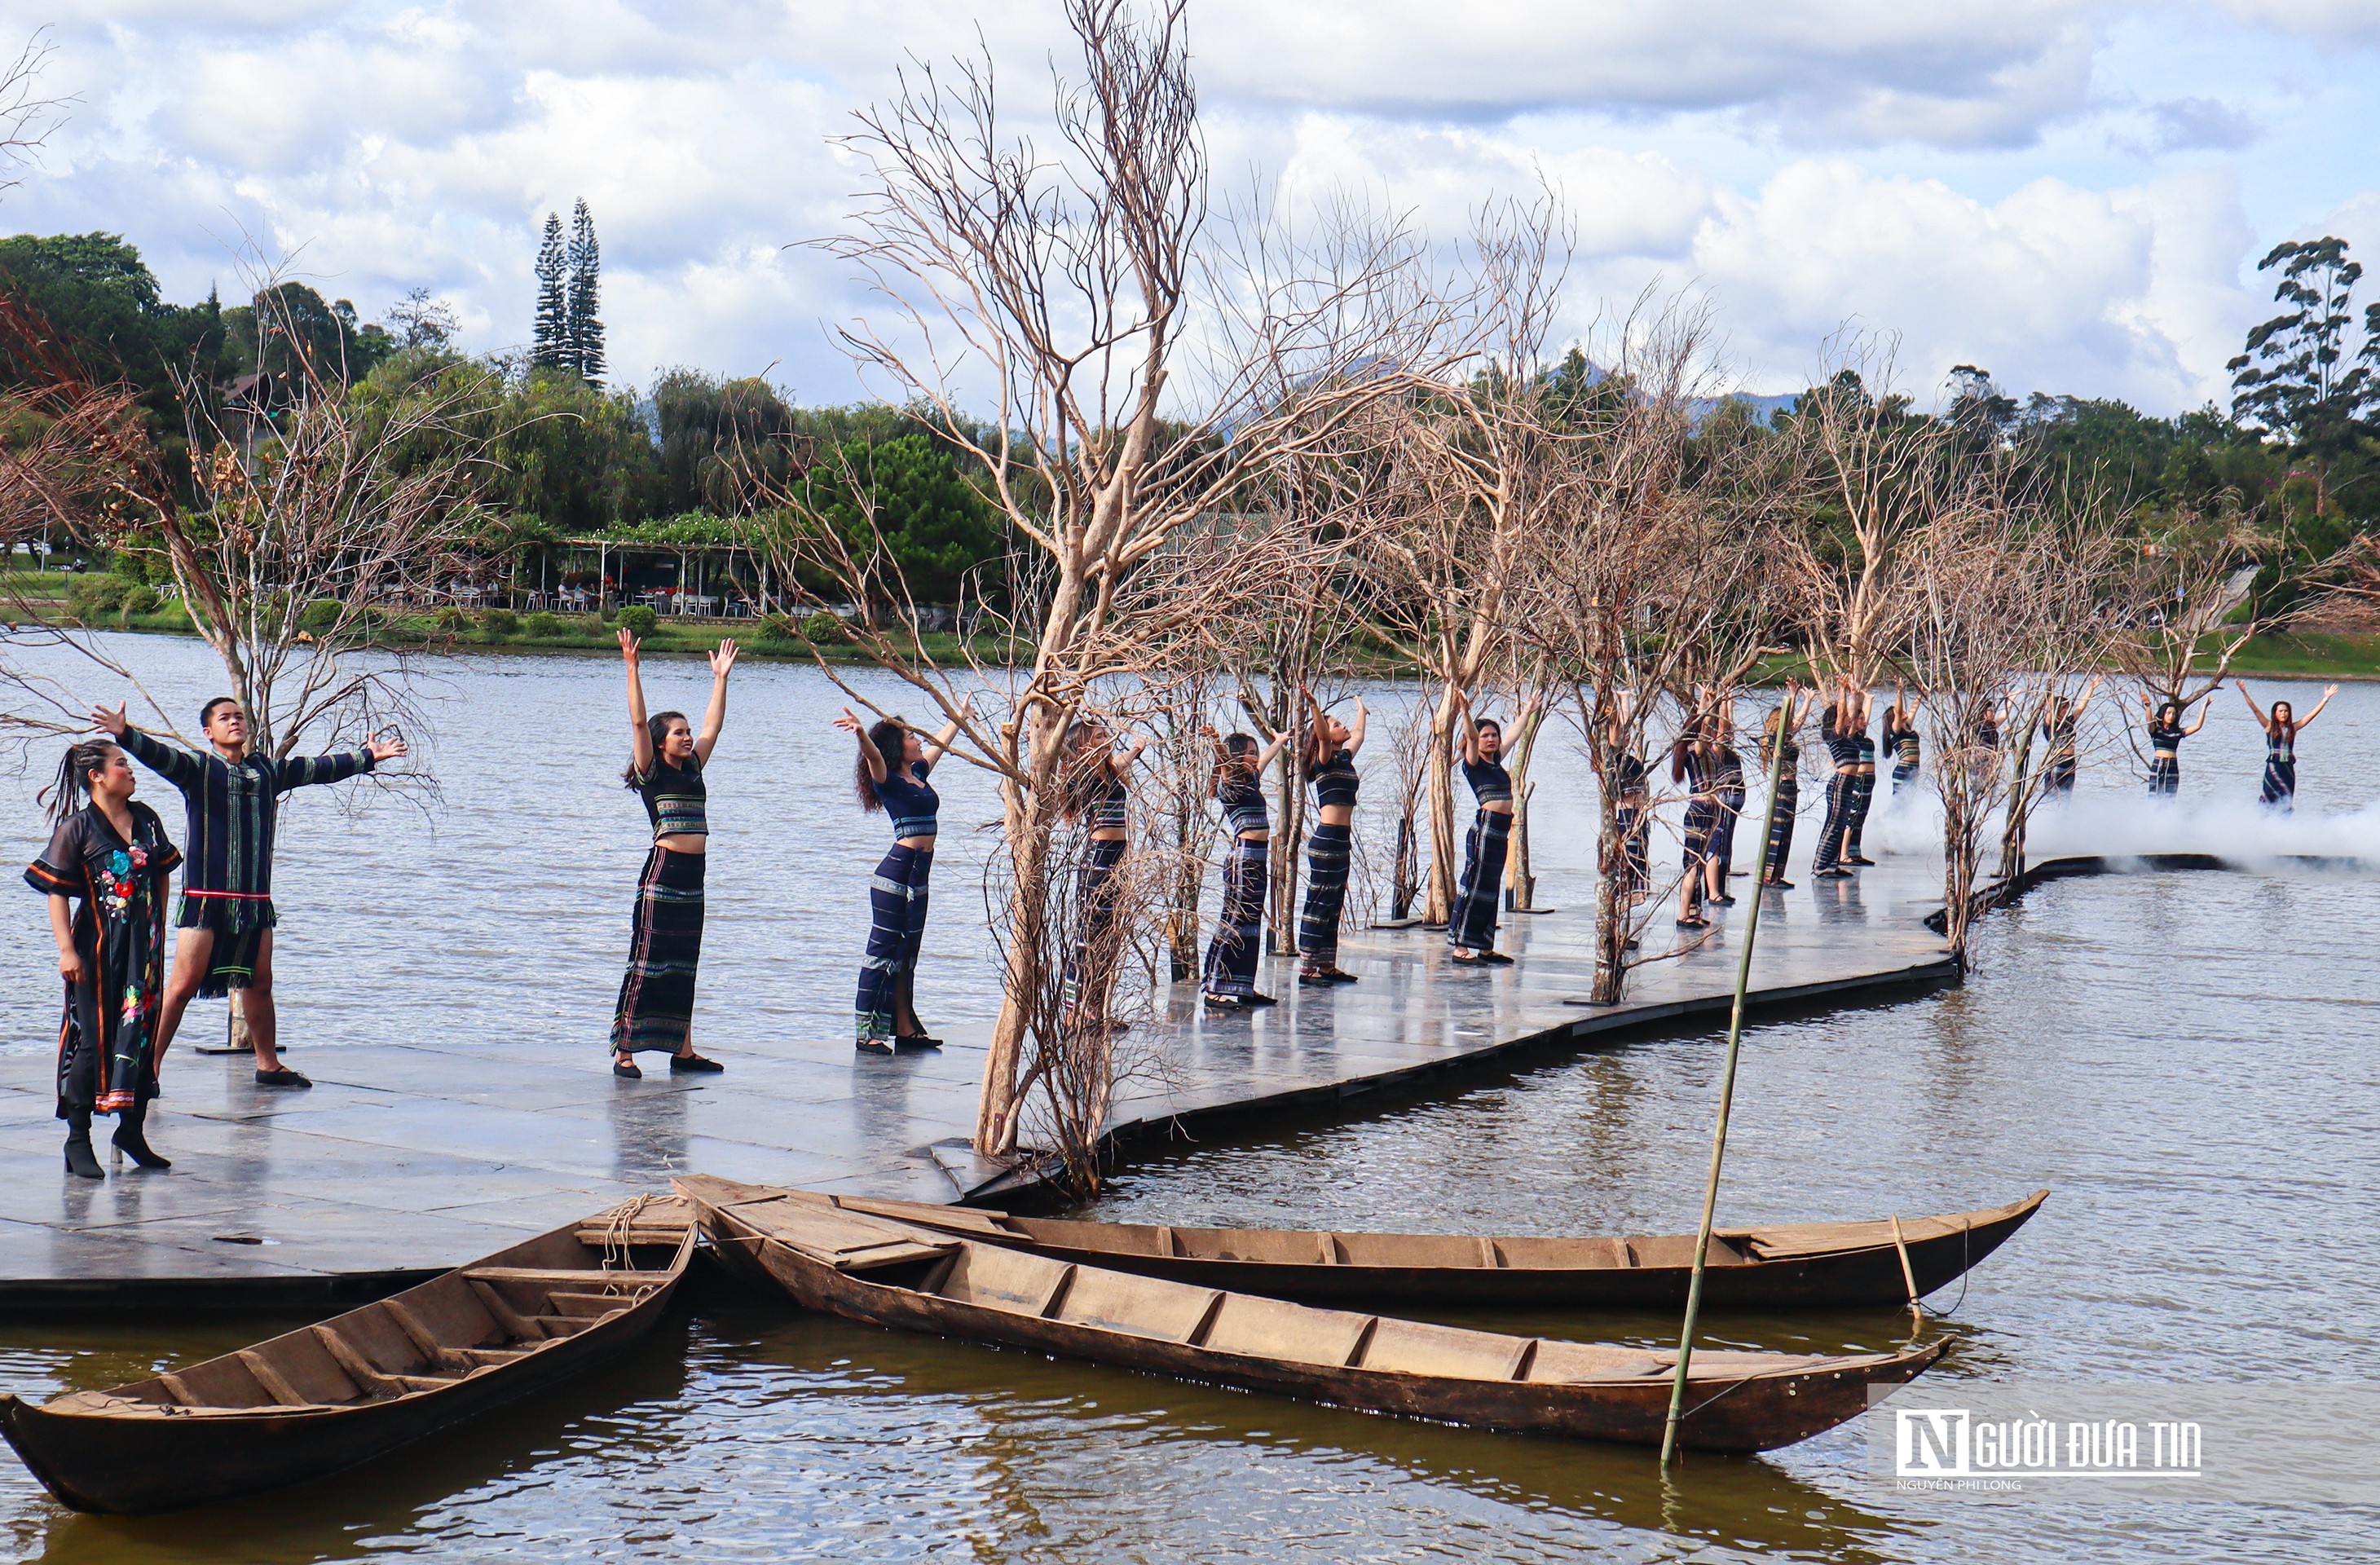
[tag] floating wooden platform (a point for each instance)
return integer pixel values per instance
(410, 1156)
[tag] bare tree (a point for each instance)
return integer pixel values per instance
(1875, 465)
(1654, 571)
(26, 117)
(1487, 473)
(1078, 292)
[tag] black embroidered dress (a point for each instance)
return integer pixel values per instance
(105, 1037)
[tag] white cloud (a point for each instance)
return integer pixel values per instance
(1956, 72)
(1769, 153)
(2132, 293)
(2343, 21)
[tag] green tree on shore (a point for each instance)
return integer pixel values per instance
(549, 331)
(584, 328)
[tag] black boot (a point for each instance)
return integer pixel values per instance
(133, 1144)
(80, 1159)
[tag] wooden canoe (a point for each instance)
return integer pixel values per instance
(330, 1396)
(1806, 1265)
(877, 1270)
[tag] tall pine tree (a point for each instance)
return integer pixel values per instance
(586, 282)
(550, 347)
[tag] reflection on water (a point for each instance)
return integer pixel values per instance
(2183, 1091)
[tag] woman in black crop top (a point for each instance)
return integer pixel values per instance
(890, 775)
(1471, 922)
(1693, 760)
(1781, 727)
(2060, 726)
(1843, 725)
(656, 1007)
(2165, 734)
(1238, 790)
(1331, 748)
(1097, 794)
(2281, 730)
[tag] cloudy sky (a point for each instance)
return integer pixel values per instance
(2073, 195)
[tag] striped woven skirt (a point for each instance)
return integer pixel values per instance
(656, 1006)
(1838, 824)
(1780, 828)
(897, 901)
(2280, 790)
(1327, 855)
(1701, 828)
(1635, 866)
(1095, 959)
(2164, 772)
(1472, 923)
(1855, 819)
(1239, 927)
(1722, 848)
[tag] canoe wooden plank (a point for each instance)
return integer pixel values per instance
(1778, 1266)
(1016, 1297)
(342, 1391)
(567, 1275)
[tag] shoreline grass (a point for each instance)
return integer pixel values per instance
(2311, 656)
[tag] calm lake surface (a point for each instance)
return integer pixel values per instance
(2188, 1061)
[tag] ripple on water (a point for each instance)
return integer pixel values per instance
(2187, 1058)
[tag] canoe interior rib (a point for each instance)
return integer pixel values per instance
(462, 1324)
(874, 1268)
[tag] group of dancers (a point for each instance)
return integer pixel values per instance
(108, 865)
(895, 762)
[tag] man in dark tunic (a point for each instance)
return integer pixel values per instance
(226, 918)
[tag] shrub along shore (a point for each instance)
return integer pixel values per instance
(107, 603)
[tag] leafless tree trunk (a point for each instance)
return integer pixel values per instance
(1079, 283)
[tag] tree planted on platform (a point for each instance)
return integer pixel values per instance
(1145, 376)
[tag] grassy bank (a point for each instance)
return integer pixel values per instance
(2307, 656)
(500, 630)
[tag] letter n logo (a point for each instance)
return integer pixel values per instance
(1929, 1442)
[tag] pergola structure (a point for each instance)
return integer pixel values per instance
(707, 583)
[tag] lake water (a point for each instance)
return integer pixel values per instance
(2187, 1060)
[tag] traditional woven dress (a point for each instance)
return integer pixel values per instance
(2280, 790)
(106, 1038)
(1477, 900)
(1239, 927)
(2164, 758)
(233, 808)
(1783, 807)
(656, 1007)
(1844, 749)
(1329, 852)
(897, 902)
(1728, 775)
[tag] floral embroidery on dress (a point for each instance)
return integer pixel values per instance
(116, 879)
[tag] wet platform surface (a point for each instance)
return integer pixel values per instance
(427, 1153)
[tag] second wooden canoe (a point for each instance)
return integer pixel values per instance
(1817, 1264)
(313, 1401)
(885, 1272)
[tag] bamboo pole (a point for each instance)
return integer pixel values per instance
(1908, 1274)
(1718, 1132)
